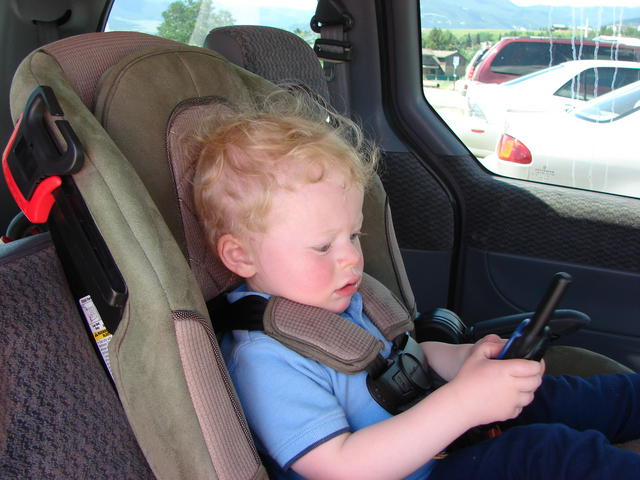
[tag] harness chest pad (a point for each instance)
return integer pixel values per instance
(327, 338)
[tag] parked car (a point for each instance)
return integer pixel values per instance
(512, 57)
(593, 147)
(560, 87)
(473, 63)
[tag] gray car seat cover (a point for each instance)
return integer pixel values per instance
(276, 55)
(145, 353)
(59, 414)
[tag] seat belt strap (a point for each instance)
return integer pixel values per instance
(49, 30)
(333, 22)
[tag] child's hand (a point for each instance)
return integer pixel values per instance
(491, 338)
(447, 359)
(493, 390)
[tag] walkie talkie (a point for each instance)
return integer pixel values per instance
(530, 339)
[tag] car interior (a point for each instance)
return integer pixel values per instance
(99, 128)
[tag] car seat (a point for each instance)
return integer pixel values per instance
(165, 362)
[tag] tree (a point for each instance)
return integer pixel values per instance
(189, 21)
(468, 43)
(438, 39)
(307, 35)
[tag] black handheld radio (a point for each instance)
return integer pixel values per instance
(530, 339)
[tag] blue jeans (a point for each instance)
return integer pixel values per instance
(565, 433)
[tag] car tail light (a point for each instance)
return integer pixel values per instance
(471, 71)
(513, 150)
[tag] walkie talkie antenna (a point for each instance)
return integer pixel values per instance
(549, 302)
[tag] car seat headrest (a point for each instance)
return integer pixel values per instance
(252, 47)
(168, 111)
(84, 58)
(116, 76)
(183, 151)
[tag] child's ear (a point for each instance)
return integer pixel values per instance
(236, 256)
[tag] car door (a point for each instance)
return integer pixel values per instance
(501, 239)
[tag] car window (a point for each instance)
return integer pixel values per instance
(521, 57)
(594, 82)
(612, 107)
(538, 73)
(528, 71)
(190, 21)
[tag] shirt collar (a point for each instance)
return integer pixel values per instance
(353, 311)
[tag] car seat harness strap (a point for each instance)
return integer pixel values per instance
(396, 382)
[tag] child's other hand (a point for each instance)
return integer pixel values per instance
(494, 390)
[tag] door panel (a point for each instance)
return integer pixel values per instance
(498, 284)
(425, 235)
(518, 234)
(510, 236)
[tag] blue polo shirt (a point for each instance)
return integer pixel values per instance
(294, 404)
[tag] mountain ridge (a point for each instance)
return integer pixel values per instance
(503, 14)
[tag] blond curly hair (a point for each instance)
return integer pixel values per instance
(285, 142)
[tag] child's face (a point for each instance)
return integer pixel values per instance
(310, 252)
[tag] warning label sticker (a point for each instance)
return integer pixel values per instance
(100, 334)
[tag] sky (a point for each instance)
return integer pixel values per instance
(578, 3)
(310, 4)
(247, 11)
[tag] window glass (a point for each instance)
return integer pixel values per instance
(597, 81)
(190, 21)
(612, 107)
(531, 83)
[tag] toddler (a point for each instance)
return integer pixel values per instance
(280, 196)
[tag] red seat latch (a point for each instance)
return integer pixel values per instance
(32, 162)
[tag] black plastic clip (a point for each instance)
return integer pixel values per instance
(333, 50)
(344, 19)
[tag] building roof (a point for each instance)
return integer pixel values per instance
(439, 53)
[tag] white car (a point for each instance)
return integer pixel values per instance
(561, 87)
(594, 147)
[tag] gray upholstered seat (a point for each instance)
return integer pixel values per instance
(274, 54)
(60, 413)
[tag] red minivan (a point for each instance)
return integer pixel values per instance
(512, 57)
